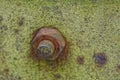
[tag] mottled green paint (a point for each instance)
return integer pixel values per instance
(90, 26)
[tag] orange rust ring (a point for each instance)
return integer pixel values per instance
(50, 39)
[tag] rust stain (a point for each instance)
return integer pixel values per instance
(100, 59)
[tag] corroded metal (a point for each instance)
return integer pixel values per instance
(48, 44)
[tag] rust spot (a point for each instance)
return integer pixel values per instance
(100, 59)
(47, 35)
(6, 71)
(80, 60)
(118, 68)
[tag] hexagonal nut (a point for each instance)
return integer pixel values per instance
(48, 44)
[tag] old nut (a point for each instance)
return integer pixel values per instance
(48, 44)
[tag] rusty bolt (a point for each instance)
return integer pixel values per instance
(45, 49)
(48, 44)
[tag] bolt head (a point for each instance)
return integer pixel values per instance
(45, 49)
(48, 44)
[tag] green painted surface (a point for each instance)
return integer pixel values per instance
(90, 26)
